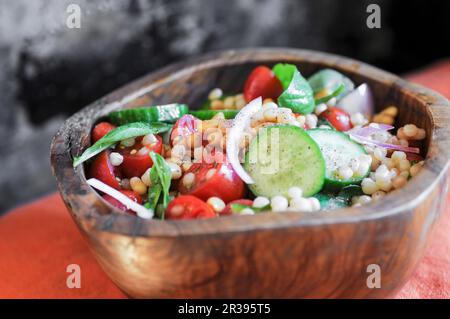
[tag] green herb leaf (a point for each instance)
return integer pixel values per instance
(330, 80)
(161, 178)
(119, 134)
(284, 72)
(338, 91)
(298, 96)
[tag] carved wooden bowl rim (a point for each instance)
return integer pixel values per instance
(91, 212)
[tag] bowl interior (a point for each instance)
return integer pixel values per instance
(190, 82)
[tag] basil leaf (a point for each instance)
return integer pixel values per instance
(330, 80)
(298, 96)
(284, 72)
(119, 134)
(338, 91)
(161, 178)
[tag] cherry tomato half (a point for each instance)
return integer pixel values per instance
(262, 82)
(188, 207)
(227, 210)
(130, 194)
(100, 130)
(102, 169)
(185, 126)
(217, 179)
(338, 118)
(136, 159)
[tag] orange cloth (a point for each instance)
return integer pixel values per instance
(39, 240)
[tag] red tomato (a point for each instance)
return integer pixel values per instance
(130, 194)
(102, 170)
(262, 82)
(185, 126)
(136, 163)
(227, 210)
(223, 182)
(188, 207)
(338, 118)
(100, 130)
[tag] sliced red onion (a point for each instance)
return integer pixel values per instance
(240, 123)
(140, 210)
(360, 100)
(364, 140)
(371, 129)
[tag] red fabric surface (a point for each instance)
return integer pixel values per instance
(39, 240)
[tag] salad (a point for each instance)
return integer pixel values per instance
(286, 143)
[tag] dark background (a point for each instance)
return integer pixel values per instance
(48, 71)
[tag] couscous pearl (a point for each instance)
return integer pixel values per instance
(188, 180)
(301, 204)
(175, 170)
(279, 203)
(377, 195)
(149, 139)
(178, 151)
(247, 211)
(115, 158)
(128, 142)
(210, 173)
(358, 119)
(260, 202)
(369, 186)
(320, 108)
(362, 169)
(382, 171)
(404, 165)
(399, 181)
(345, 172)
(239, 102)
(143, 151)
(216, 203)
(138, 186)
(386, 185)
(398, 156)
(215, 94)
(315, 204)
(229, 102)
(301, 120)
(295, 192)
(125, 184)
(270, 115)
(379, 153)
(177, 210)
(410, 130)
(403, 142)
(311, 120)
(415, 169)
(404, 174)
(145, 178)
(364, 199)
(269, 106)
(421, 134)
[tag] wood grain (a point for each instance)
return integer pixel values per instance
(321, 255)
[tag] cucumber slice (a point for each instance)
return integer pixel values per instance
(282, 156)
(338, 149)
(329, 200)
(159, 113)
(209, 114)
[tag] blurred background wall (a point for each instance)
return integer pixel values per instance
(48, 71)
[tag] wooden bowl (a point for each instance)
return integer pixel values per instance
(299, 255)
